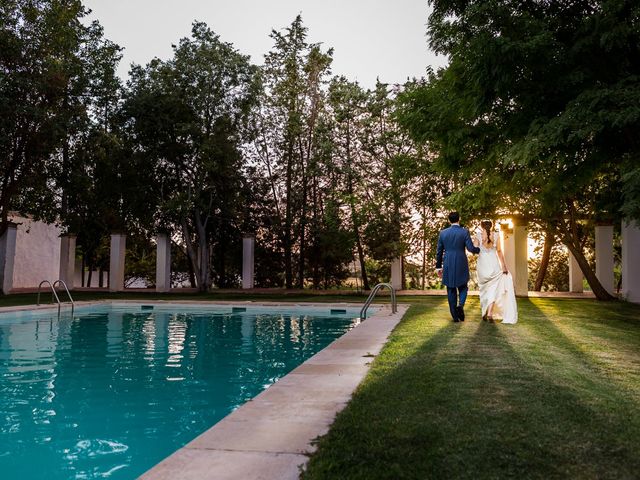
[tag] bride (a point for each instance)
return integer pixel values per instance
(497, 296)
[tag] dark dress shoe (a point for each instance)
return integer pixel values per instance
(460, 311)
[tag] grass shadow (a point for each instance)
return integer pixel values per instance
(599, 356)
(472, 401)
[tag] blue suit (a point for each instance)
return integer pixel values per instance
(455, 271)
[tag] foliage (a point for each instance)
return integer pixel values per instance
(186, 118)
(46, 55)
(535, 111)
(140, 262)
(557, 276)
(287, 145)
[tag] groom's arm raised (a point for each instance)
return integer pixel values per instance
(469, 244)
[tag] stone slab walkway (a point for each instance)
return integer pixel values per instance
(270, 436)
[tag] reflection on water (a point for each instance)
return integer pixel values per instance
(108, 395)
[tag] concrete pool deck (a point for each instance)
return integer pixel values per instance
(270, 436)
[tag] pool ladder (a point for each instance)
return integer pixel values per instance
(376, 289)
(54, 294)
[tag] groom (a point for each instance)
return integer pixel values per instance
(455, 274)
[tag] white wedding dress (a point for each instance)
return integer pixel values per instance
(495, 286)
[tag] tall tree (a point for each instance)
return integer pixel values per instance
(98, 185)
(348, 103)
(535, 112)
(393, 163)
(187, 118)
(44, 82)
(293, 74)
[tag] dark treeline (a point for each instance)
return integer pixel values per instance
(328, 175)
(204, 145)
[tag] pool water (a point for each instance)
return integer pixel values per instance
(111, 391)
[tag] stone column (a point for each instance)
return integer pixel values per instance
(163, 262)
(116, 262)
(7, 257)
(248, 260)
(396, 273)
(631, 261)
(604, 257)
(575, 275)
(514, 248)
(68, 259)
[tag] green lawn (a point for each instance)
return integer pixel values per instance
(555, 396)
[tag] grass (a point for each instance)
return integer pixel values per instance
(555, 396)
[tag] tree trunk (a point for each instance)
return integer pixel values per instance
(303, 222)
(192, 274)
(363, 267)
(203, 249)
(66, 166)
(203, 257)
(570, 237)
(192, 255)
(354, 216)
(424, 247)
(221, 260)
(549, 240)
(596, 287)
(288, 268)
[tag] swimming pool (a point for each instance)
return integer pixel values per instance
(116, 388)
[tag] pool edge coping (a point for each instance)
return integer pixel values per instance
(266, 437)
(272, 435)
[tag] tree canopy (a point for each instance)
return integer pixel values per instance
(535, 113)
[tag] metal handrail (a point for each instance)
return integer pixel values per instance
(59, 281)
(394, 304)
(53, 291)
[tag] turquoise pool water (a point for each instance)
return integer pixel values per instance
(113, 390)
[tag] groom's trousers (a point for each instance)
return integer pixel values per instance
(452, 296)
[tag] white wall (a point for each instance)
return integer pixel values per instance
(37, 253)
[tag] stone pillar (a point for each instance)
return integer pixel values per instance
(396, 273)
(7, 257)
(68, 259)
(116, 262)
(631, 261)
(163, 262)
(248, 260)
(515, 250)
(575, 275)
(604, 257)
